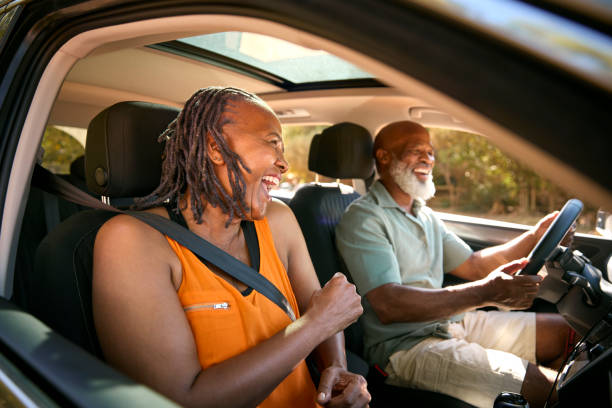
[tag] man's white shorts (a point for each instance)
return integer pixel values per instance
(488, 354)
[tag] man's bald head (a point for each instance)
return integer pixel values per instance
(393, 138)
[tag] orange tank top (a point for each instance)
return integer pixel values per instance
(225, 322)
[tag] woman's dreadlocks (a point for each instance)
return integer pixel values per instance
(186, 162)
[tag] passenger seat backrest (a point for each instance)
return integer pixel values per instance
(341, 151)
(122, 159)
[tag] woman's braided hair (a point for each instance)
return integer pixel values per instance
(186, 162)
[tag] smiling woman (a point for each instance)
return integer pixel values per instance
(208, 330)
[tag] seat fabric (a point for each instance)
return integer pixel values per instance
(319, 207)
(318, 210)
(42, 214)
(122, 146)
(62, 289)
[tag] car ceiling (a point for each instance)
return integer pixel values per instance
(112, 74)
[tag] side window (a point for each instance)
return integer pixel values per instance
(297, 145)
(61, 146)
(475, 178)
(7, 17)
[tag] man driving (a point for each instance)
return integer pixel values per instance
(432, 337)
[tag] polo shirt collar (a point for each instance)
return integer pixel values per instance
(384, 199)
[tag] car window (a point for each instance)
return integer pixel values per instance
(7, 16)
(297, 145)
(278, 57)
(475, 178)
(60, 148)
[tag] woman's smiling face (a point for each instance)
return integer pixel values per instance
(254, 133)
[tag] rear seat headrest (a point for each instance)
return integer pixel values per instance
(122, 155)
(342, 151)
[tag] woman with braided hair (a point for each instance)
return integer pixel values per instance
(190, 330)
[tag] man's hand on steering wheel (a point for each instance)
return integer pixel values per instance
(568, 239)
(551, 230)
(540, 228)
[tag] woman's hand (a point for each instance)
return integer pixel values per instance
(341, 388)
(336, 305)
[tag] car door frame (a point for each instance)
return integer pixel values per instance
(44, 26)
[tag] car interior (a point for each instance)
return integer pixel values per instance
(125, 83)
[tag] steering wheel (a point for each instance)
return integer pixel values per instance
(552, 236)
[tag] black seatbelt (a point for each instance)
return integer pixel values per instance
(52, 212)
(199, 246)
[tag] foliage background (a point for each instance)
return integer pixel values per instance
(60, 149)
(474, 177)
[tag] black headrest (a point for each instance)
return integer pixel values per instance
(77, 168)
(342, 151)
(122, 155)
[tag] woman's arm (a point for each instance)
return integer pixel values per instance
(330, 354)
(143, 330)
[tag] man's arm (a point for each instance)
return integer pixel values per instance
(482, 262)
(401, 303)
(365, 246)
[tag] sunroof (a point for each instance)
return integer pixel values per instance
(281, 58)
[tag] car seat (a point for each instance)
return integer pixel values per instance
(122, 160)
(43, 212)
(344, 151)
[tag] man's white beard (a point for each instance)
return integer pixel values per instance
(405, 178)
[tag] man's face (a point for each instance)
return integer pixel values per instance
(412, 168)
(418, 154)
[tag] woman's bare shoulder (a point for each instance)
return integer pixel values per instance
(280, 217)
(285, 229)
(278, 209)
(131, 240)
(124, 227)
(125, 224)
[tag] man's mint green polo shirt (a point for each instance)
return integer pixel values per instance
(382, 243)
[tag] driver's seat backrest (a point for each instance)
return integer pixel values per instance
(342, 151)
(122, 160)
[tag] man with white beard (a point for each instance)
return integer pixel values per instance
(432, 337)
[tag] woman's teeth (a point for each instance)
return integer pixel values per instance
(271, 181)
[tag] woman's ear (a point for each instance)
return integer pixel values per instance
(213, 151)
